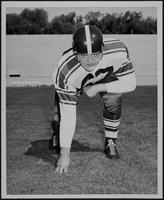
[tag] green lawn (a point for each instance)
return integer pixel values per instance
(30, 164)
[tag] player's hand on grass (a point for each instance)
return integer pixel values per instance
(63, 161)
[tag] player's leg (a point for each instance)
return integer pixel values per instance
(54, 143)
(111, 118)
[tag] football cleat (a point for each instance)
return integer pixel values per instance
(110, 149)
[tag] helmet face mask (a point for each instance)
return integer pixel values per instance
(88, 45)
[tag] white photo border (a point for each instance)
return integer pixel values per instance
(158, 5)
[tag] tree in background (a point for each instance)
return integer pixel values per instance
(28, 22)
(79, 20)
(92, 18)
(13, 24)
(64, 24)
(133, 22)
(36, 22)
(150, 25)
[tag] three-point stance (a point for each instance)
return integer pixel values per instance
(92, 66)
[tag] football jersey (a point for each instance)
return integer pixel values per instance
(70, 78)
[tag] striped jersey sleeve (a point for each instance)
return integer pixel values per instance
(66, 66)
(68, 96)
(118, 54)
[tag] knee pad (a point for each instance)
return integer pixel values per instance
(112, 113)
(112, 101)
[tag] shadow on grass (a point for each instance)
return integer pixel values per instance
(40, 149)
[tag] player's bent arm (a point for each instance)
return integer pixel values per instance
(124, 84)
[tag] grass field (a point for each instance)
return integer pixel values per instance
(30, 164)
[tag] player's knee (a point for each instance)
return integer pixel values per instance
(112, 103)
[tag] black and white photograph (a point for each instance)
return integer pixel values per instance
(81, 99)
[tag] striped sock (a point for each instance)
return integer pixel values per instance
(111, 128)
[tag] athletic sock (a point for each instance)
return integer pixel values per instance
(111, 128)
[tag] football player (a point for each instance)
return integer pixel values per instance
(91, 66)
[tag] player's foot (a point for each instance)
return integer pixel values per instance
(110, 149)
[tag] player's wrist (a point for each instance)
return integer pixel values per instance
(65, 151)
(100, 88)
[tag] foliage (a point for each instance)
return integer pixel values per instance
(63, 24)
(28, 22)
(36, 22)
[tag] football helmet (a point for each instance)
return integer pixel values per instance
(87, 39)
